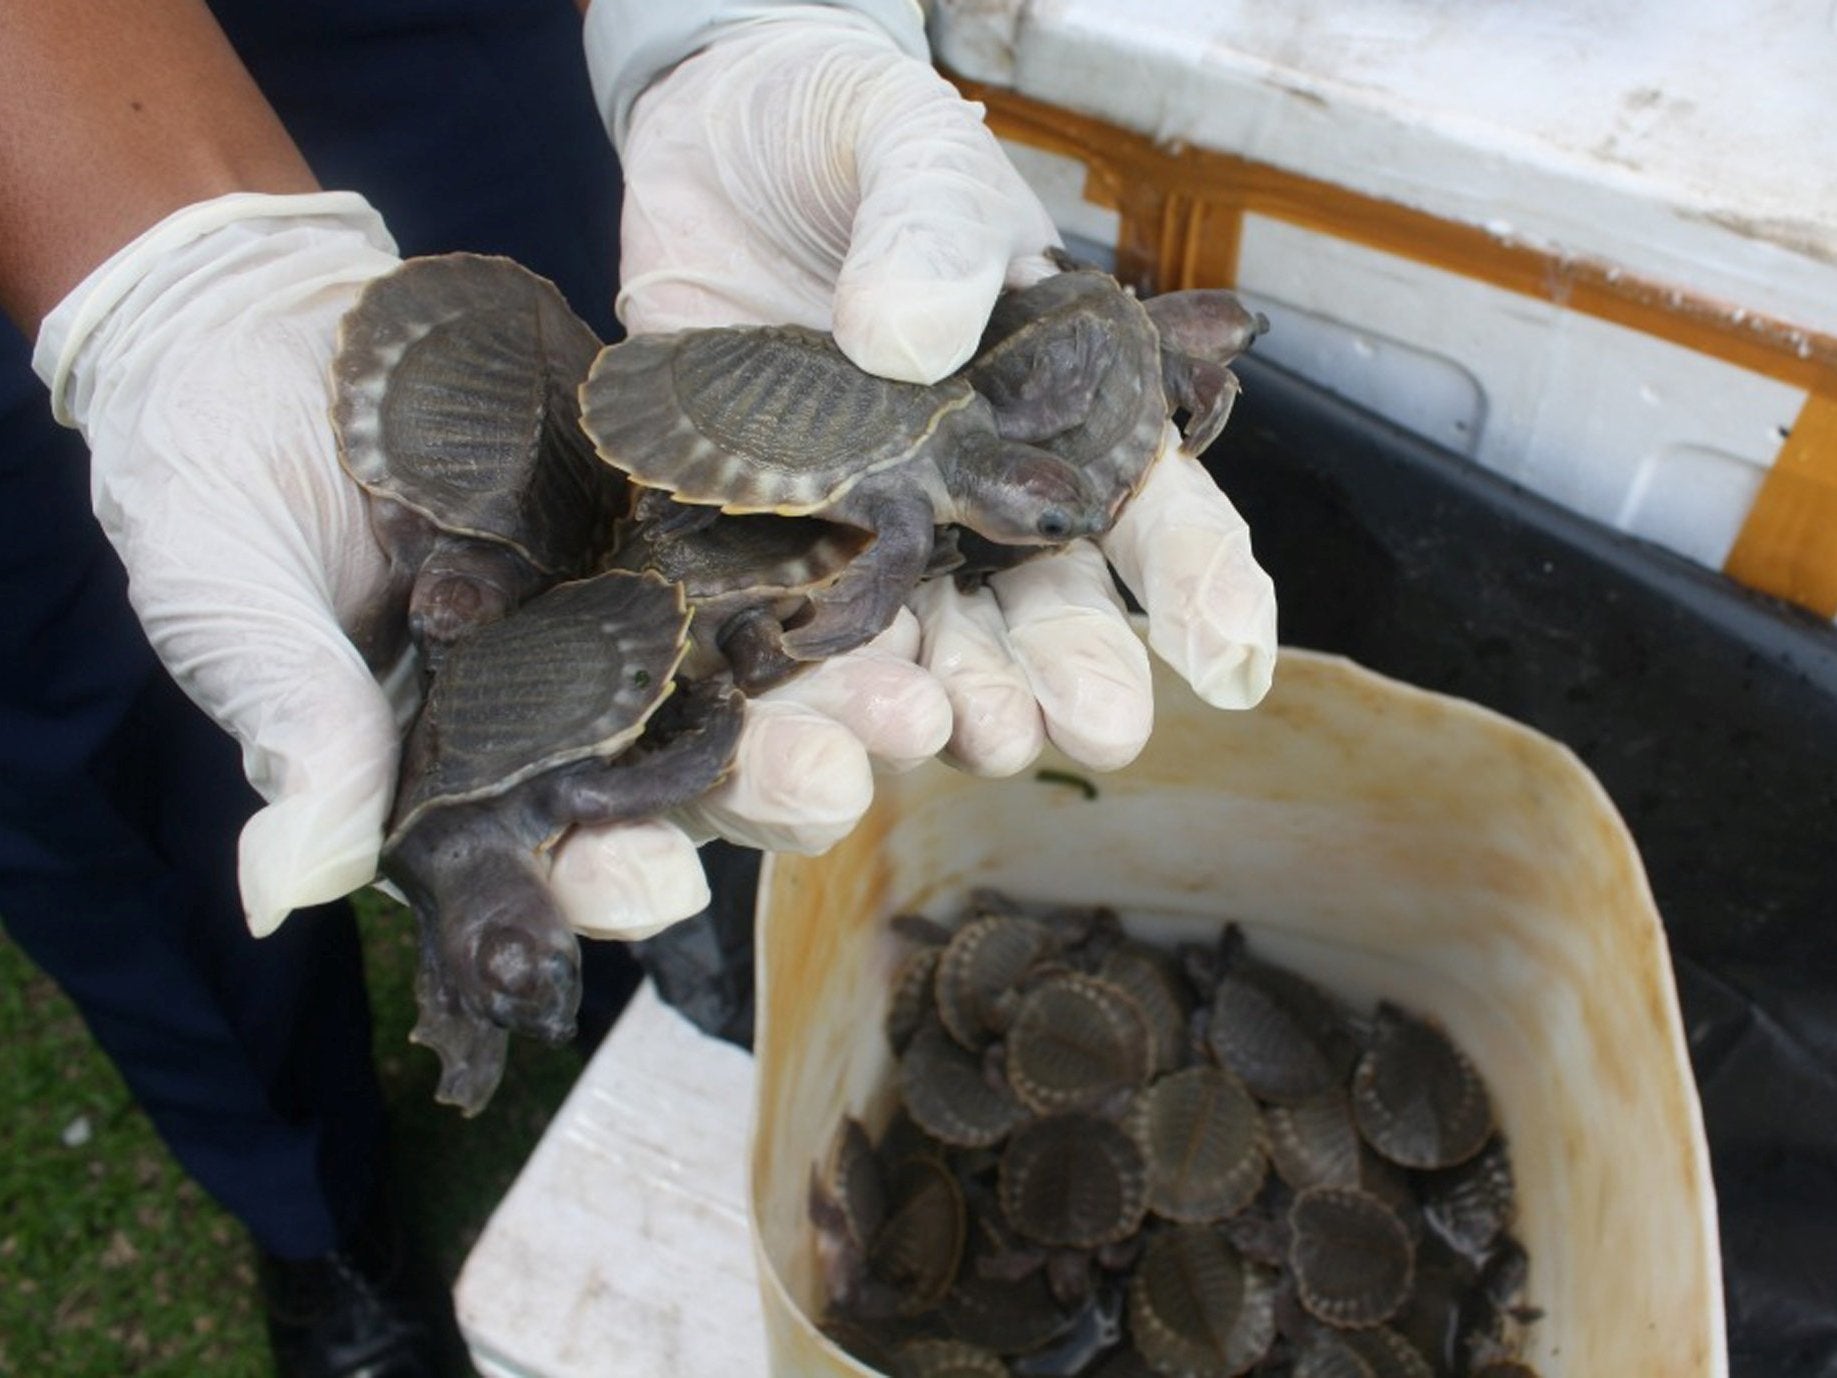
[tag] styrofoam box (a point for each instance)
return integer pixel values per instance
(622, 1249)
(1689, 143)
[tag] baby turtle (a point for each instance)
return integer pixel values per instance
(1470, 1205)
(1416, 1097)
(1203, 1138)
(1077, 1043)
(777, 420)
(1351, 1256)
(919, 1246)
(1279, 1032)
(1197, 1308)
(532, 726)
(1374, 1353)
(1073, 1181)
(946, 1359)
(1080, 366)
(1153, 982)
(979, 970)
(848, 1205)
(952, 1093)
(747, 578)
(455, 408)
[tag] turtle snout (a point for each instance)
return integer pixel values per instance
(532, 984)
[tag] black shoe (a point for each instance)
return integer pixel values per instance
(364, 1311)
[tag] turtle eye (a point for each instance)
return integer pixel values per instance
(1054, 524)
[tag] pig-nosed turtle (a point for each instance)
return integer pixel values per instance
(456, 409)
(560, 714)
(1079, 366)
(778, 420)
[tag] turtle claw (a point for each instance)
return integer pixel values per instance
(1206, 391)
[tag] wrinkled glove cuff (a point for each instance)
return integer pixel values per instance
(70, 324)
(630, 43)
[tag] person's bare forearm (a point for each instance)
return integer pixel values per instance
(114, 114)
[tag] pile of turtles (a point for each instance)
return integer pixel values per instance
(1114, 1159)
(599, 551)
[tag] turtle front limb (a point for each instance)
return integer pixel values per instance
(1205, 390)
(1201, 332)
(865, 598)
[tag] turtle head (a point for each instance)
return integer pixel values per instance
(1019, 494)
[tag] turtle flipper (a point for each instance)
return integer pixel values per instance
(1201, 332)
(753, 644)
(1205, 390)
(686, 751)
(866, 596)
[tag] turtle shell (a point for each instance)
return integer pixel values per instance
(948, 1094)
(1350, 1256)
(1375, 1353)
(756, 418)
(1314, 1142)
(1416, 1097)
(1006, 1315)
(912, 1000)
(1469, 1205)
(576, 673)
(1073, 1181)
(1076, 1043)
(1278, 1031)
(1154, 983)
(919, 1245)
(854, 1183)
(456, 395)
(1197, 1308)
(1203, 1138)
(946, 1359)
(983, 962)
(1073, 363)
(745, 556)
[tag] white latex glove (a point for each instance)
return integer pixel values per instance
(196, 364)
(805, 165)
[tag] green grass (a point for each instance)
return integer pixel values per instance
(113, 1263)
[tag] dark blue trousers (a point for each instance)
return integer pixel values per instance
(470, 126)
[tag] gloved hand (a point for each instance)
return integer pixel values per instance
(196, 363)
(805, 164)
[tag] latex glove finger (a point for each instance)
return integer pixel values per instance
(878, 692)
(997, 728)
(844, 184)
(1184, 551)
(1084, 662)
(942, 222)
(629, 880)
(800, 782)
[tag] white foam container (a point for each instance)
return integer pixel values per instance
(1686, 145)
(1389, 842)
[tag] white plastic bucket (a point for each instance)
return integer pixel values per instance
(1389, 842)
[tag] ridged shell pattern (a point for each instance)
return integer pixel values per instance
(1121, 1217)
(765, 419)
(575, 674)
(457, 383)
